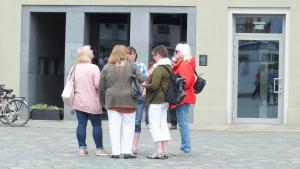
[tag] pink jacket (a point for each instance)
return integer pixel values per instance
(86, 97)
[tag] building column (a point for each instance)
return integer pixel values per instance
(191, 40)
(139, 33)
(74, 39)
(191, 32)
(27, 75)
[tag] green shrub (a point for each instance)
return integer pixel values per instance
(42, 106)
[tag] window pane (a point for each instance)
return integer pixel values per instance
(259, 24)
(168, 30)
(257, 68)
(107, 30)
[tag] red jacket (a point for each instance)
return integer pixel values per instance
(185, 68)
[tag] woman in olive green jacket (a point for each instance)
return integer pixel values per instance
(158, 82)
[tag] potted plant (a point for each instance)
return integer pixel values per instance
(45, 112)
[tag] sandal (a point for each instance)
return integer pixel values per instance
(155, 156)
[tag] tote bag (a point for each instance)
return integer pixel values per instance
(68, 92)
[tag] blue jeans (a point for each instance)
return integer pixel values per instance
(182, 114)
(139, 114)
(81, 129)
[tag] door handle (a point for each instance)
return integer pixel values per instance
(277, 85)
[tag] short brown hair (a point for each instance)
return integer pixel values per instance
(118, 53)
(162, 50)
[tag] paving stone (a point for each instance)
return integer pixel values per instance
(54, 146)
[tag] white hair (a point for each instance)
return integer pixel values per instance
(184, 49)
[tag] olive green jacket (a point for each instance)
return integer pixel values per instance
(158, 81)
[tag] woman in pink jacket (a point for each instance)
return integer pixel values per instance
(86, 100)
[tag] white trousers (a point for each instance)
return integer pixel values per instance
(158, 122)
(121, 131)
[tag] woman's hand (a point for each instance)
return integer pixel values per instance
(144, 83)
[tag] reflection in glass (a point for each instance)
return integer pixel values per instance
(257, 67)
(259, 24)
(107, 30)
(168, 30)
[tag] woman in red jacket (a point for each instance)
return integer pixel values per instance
(184, 66)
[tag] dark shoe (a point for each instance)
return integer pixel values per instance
(164, 156)
(115, 156)
(155, 156)
(135, 152)
(173, 128)
(129, 156)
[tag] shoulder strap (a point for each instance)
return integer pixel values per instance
(133, 70)
(73, 72)
(171, 75)
(196, 73)
(167, 70)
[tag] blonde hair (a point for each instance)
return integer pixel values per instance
(118, 53)
(83, 55)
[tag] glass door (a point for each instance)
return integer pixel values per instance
(258, 80)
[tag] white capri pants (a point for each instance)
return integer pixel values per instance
(121, 131)
(158, 124)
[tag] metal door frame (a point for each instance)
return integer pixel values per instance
(235, 11)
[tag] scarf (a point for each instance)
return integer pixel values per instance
(163, 61)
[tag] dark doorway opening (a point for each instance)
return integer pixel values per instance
(47, 57)
(168, 30)
(104, 31)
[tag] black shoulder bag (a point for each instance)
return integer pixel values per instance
(199, 83)
(136, 87)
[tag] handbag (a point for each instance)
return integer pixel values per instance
(136, 87)
(68, 92)
(199, 83)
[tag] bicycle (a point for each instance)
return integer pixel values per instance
(14, 111)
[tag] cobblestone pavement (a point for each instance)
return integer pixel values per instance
(53, 145)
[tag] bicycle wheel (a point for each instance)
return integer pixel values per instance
(16, 112)
(3, 120)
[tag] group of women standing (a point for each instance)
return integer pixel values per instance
(112, 89)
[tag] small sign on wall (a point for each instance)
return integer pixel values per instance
(202, 60)
(259, 25)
